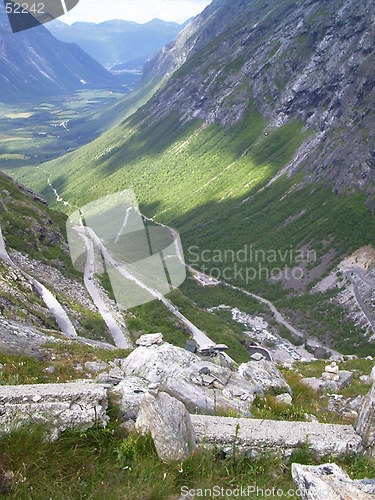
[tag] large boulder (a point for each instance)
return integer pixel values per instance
(365, 423)
(201, 385)
(328, 482)
(169, 424)
(265, 374)
(127, 395)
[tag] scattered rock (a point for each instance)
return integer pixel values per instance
(365, 379)
(50, 369)
(170, 426)
(113, 377)
(328, 482)
(265, 374)
(311, 418)
(345, 379)
(149, 340)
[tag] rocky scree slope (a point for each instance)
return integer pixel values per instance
(307, 59)
(35, 240)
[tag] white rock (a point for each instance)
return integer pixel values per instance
(285, 399)
(332, 368)
(328, 482)
(150, 339)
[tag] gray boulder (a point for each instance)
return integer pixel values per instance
(365, 423)
(201, 385)
(169, 424)
(127, 395)
(328, 482)
(265, 374)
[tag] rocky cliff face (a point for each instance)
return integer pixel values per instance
(309, 59)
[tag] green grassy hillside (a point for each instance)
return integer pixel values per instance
(210, 183)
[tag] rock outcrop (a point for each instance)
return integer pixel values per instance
(329, 482)
(76, 405)
(169, 424)
(203, 386)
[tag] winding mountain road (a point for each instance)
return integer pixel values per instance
(120, 340)
(128, 273)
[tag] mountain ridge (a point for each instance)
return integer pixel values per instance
(34, 63)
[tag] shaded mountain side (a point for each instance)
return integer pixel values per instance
(35, 64)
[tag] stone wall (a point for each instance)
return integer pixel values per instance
(255, 437)
(78, 405)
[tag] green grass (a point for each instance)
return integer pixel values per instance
(64, 357)
(108, 464)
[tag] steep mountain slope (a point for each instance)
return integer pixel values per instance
(116, 42)
(254, 93)
(312, 59)
(34, 64)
